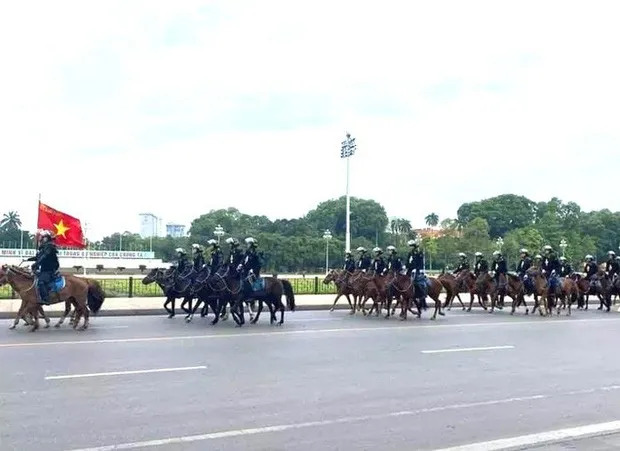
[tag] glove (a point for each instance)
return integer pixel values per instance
(251, 271)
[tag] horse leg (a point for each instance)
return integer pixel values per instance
(34, 311)
(190, 315)
(187, 300)
(169, 301)
(64, 314)
(218, 311)
(336, 300)
(457, 296)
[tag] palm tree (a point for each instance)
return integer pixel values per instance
(11, 220)
(432, 219)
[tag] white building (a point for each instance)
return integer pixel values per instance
(149, 225)
(175, 230)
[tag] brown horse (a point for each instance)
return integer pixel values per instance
(569, 293)
(401, 282)
(466, 283)
(451, 285)
(340, 279)
(516, 290)
(84, 294)
(539, 291)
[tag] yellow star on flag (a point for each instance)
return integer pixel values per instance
(61, 229)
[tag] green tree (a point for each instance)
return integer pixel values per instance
(11, 221)
(502, 213)
(432, 219)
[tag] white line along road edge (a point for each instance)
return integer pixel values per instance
(540, 438)
(484, 348)
(120, 373)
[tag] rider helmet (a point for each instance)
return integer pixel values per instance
(391, 249)
(562, 259)
(478, 254)
(538, 257)
(496, 253)
(347, 253)
(212, 243)
(251, 242)
(412, 243)
(361, 249)
(378, 250)
(180, 250)
(462, 255)
(524, 251)
(45, 234)
(196, 247)
(547, 248)
(232, 241)
(589, 257)
(611, 253)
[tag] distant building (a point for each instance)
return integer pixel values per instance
(429, 233)
(175, 230)
(149, 225)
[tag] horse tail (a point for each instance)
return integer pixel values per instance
(290, 296)
(96, 296)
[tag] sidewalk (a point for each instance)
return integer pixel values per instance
(154, 306)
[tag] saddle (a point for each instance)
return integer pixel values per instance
(258, 284)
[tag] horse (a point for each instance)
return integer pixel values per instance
(516, 290)
(569, 293)
(343, 289)
(86, 295)
(604, 287)
(451, 285)
(466, 281)
(486, 286)
(379, 291)
(172, 288)
(401, 282)
(270, 293)
(539, 290)
(204, 294)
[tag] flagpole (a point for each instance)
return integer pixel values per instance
(85, 260)
(36, 233)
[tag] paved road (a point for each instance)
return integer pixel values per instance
(322, 381)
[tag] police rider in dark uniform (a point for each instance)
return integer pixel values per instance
(349, 263)
(235, 255)
(45, 265)
(463, 264)
(199, 258)
(378, 264)
(217, 257)
(481, 266)
(551, 268)
(394, 263)
(415, 269)
(612, 267)
(363, 262)
(565, 268)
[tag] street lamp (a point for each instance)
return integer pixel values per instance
(563, 246)
(500, 243)
(347, 149)
(327, 236)
(218, 232)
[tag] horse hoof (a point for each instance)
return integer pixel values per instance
(171, 316)
(442, 314)
(352, 312)
(12, 327)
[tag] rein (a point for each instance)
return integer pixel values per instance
(10, 270)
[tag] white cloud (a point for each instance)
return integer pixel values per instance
(180, 107)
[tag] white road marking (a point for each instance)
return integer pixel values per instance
(309, 424)
(485, 348)
(412, 326)
(540, 438)
(119, 373)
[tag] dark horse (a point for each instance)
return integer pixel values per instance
(271, 294)
(173, 289)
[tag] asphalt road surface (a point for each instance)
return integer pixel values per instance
(320, 382)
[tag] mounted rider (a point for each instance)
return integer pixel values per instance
(415, 269)
(590, 268)
(182, 263)
(363, 262)
(481, 266)
(537, 261)
(524, 264)
(551, 268)
(45, 265)
(499, 268)
(463, 263)
(612, 267)
(378, 264)
(217, 257)
(235, 255)
(199, 258)
(349, 263)
(565, 268)
(394, 264)
(251, 263)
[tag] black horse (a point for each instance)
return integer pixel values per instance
(173, 287)
(269, 293)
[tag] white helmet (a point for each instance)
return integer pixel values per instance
(496, 253)
(462, 255)
(412, 243)
(562, 259)
(538, 257)
(361, 249)
(250, 241)
(478, 254)
(211, 242)
(589, 257)
(547, 248)
(196, 246)
(377, 250)
(524, 251)
(390, 249)
(179, 250)
(610, 253)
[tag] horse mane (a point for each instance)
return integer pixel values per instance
(21, 271)
(513, 277)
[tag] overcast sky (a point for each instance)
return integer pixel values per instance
(112, 108)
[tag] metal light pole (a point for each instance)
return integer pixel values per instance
(347, 150)
(327, 236)
(500, 243)
(218, 232)
(563, 246)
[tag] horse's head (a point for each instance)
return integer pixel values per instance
(3, 275)
(153, 275)
(330, 277)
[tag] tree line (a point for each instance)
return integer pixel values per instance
(297, 245)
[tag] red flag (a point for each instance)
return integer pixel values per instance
(66, 229)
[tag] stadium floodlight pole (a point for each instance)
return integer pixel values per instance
(218, 232)
(347, 149)
(563, 245)
(327, 236)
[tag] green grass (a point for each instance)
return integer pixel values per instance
(120, 287)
